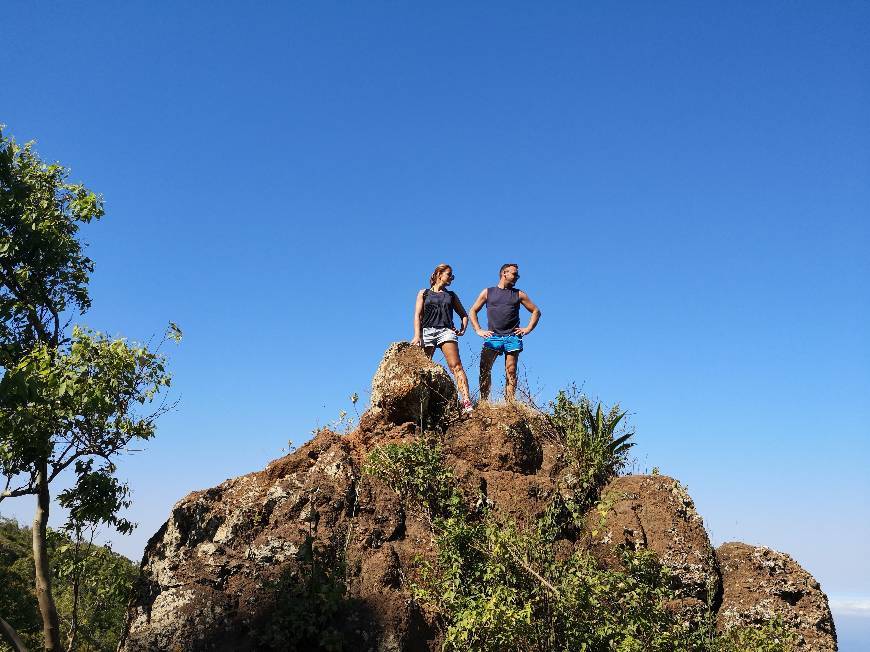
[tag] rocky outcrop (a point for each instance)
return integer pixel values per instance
(230, 567)
(654, 512)
(760, 584)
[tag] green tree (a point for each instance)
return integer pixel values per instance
(70, 398)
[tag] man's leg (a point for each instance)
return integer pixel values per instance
(487, 358)
(510, 374)
(451, 354)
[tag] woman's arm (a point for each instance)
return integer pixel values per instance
(418, 316)
(460, 310)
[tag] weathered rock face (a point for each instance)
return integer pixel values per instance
(408, 387)
(214, 577)
(204, 570)
(654, 512)
(760, 584)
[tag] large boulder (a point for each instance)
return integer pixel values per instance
(408, 387)
(655, 512)
(759, 584)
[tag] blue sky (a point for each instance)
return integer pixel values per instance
(686, 188)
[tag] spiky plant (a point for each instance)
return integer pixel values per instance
(593, 446)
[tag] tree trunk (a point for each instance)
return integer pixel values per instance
(11, 636)
(50, 624)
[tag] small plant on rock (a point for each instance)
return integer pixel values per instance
(595, 449)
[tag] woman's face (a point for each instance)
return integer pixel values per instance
(446, 277)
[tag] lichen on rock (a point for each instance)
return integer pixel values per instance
(761, 584)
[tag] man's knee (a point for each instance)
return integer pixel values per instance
(456, 368)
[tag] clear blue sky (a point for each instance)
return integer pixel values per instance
(686, 188)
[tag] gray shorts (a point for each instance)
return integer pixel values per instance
(437, 336)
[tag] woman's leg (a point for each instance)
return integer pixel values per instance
(451, 354)
(429, 351)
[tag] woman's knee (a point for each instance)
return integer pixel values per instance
(456, 368)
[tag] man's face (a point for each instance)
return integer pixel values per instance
(511, 275)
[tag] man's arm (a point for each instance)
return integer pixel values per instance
(418, 315)
(478, 304)
(529, 305)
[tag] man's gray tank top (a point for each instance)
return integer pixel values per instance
(502, 310)
(437, 309)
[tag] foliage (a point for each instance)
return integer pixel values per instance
(309, 604)
(503, 589)
(17, 602)
(771, 636)
(104, 579)
(415, 471)
(43, 269)
(596, 451)
(73, 405)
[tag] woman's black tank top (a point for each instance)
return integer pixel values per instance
(437, 309)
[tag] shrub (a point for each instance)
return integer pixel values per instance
(594, 448)
(772, 636)
(416, 472)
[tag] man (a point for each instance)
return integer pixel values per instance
(505, 335)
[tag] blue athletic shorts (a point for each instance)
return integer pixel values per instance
(504, 343)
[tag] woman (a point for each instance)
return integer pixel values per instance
(433, 326)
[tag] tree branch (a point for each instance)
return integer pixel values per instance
(8, 280)
(11, 636)
(25, 490)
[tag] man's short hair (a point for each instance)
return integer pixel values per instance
(506, 265)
